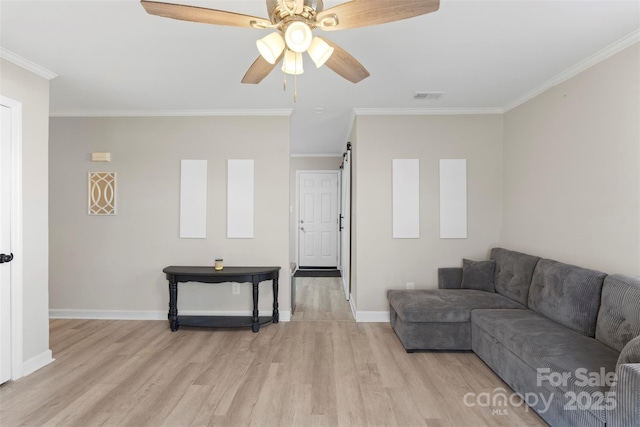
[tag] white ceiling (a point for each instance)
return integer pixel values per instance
(111, 57)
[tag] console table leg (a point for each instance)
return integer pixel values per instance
(255, 319)
(276, 313)
(173, 305)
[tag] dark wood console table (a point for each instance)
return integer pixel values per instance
(253, 275)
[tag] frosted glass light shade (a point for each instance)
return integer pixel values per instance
(298, 36)
(270, 47)
(320, 51)
(292, 63)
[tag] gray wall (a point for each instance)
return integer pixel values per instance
(557, 176)
(382, 262)
(114, 263)
(33, 91)
(571, 175)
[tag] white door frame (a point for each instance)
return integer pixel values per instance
(297, 216)
(17, 265)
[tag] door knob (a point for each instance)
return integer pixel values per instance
(5, 258)
(302, 228)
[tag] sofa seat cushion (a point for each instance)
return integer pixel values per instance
(542, 343)
(443, 305)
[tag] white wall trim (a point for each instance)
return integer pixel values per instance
(17, 265)
(352, 304)
(317, 155)
(425, 111)
(297, 210)
(26, 64)
(285, 315)
(37, 362)
(107, 314)
(600, 56)
(372, 316)
(171, 113)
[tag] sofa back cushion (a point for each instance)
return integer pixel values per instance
(619, 315)
(567, 294)
(513, 272)
(478, 275)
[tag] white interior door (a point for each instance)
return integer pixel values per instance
(318, 219)
(5, 243)
(345, 223)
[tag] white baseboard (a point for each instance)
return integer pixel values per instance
(368, 316)
(372, 316)
(107, 314)
(285, 315)
(37, 362)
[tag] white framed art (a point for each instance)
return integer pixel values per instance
(406, 198)
(453, 198)
(240, 194)
(193, 199)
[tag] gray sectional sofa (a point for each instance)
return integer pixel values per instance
(564, 338)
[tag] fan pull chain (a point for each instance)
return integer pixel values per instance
(284, 81)
(295, 81)
(295, 88)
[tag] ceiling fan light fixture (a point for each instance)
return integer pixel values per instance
(292, 62)
(329, 22)
(298, 36)
(270, 47)
(320, 51)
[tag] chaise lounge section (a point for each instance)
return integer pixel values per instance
(440, 319)
(555, 333)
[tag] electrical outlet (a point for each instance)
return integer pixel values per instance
(411, 285)
(235, 288)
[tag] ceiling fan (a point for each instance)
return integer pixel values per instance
(294, 21)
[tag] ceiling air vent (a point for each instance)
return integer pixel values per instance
(428, 95)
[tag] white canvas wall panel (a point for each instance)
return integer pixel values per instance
(193, 199)
(240, 192)
(453, 198)
(406, 198)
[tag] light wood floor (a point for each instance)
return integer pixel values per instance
(321, 298)
(329, 373)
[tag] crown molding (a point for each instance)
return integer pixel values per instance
(425, 111)
(171, 113)
(598, 57)
(317, 155)
(26, 64)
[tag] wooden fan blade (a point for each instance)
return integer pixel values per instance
(259, 70)
(344, 64)
(362, 13)
(201, 14)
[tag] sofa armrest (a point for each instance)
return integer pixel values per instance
(449, 278)
(627, 397)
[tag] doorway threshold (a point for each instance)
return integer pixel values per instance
(317, 273)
